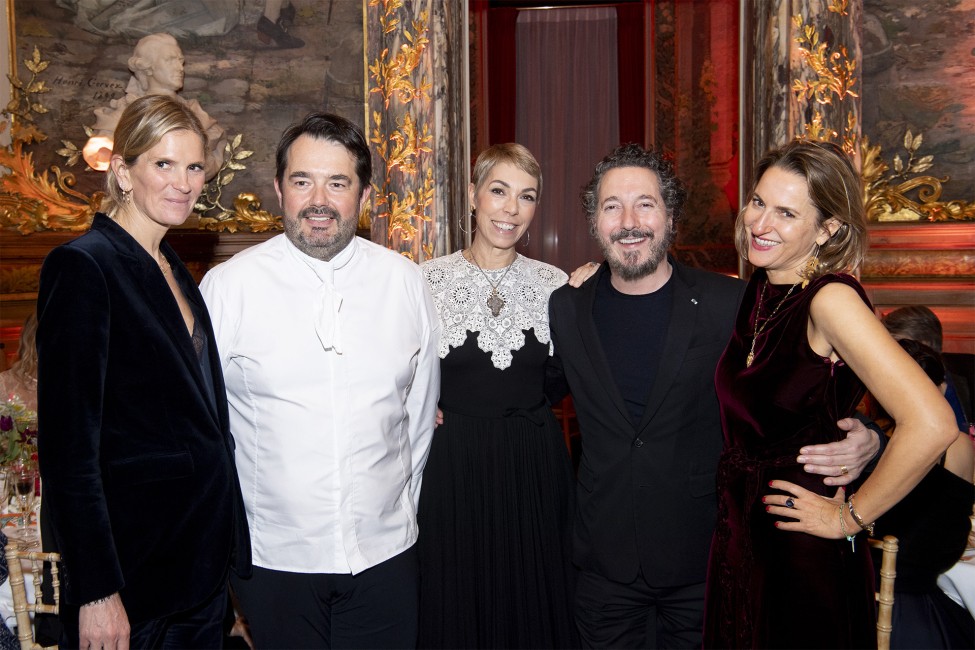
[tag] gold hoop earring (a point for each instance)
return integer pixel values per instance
(527, 240)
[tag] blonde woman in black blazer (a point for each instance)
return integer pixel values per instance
(136, 454)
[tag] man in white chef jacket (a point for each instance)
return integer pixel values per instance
(328, 344)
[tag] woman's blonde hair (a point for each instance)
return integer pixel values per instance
(511, 153)
(836, 191)
(143, 124)
(25, 367)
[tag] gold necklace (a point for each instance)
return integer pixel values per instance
(165, 269)
(494, 302)
(758, 312)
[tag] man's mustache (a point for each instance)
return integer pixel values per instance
(627, 233)
(320, 211)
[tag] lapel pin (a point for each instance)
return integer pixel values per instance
(693, 301)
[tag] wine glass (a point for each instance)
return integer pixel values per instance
(22, 480)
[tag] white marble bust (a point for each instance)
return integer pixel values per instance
(157, 69)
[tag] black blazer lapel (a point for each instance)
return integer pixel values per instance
(158, 297)
(683, 320)
(182, 339)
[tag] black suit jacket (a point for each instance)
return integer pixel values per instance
(646, 494)
(136, 457)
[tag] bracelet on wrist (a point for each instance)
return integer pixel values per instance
(98, 601)
(850, 538)
(857, 518)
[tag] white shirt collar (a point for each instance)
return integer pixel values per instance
(328, 301)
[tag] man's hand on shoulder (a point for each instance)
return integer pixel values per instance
(843, 461)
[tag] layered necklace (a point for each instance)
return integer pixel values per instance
(494, 302)
(758, 314)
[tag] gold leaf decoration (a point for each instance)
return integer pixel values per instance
(246, 214)
(405, 192)
(886, 195)
(32, 201)
(835, 80)
(840, 7)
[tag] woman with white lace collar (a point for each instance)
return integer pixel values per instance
(496, 503)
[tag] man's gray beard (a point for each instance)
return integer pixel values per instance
(326, 250)
(628, 272)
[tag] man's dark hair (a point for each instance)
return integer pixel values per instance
(633, 155)
(333, 128)
(926, 357)
(915, 322)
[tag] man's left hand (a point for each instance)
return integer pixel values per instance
(841, 462)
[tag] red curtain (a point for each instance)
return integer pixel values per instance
(569, 84)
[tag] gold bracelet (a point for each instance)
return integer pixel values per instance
(849, 537)
(857, 518)
(98, 601)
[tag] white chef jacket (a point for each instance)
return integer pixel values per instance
(332, 379)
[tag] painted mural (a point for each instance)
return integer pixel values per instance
(253, 76)
(918, 67)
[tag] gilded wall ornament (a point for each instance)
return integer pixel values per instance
(886, 195)
(398, 131)
(834, 82)
(34, 201)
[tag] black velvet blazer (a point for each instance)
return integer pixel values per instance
(136, 458)
(646, 495)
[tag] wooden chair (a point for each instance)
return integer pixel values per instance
(885, 597)
(22, 607)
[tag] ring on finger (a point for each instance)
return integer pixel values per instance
(790, 503)
(844, 470)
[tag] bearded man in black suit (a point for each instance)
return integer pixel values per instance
(637, 345)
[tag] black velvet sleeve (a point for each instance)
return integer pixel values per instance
(72, 345)
(870, 424)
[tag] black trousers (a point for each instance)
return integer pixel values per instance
(635, 615)
(373, 609)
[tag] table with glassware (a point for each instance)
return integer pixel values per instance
(18, 522)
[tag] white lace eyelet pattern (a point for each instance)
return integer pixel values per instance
(460, 292)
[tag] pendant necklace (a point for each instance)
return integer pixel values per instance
(165, 269)
(758, 312)
(494, 302)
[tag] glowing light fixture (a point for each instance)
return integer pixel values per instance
(98, 152)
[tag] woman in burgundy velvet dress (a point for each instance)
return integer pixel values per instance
(788, 568)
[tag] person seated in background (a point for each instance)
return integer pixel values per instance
(20, 380)
(918, 323)
(931, 524)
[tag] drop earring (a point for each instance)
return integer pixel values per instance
(809, 269)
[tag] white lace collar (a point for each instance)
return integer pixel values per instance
(460, 293)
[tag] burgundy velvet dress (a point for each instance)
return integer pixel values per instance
(769, 588)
